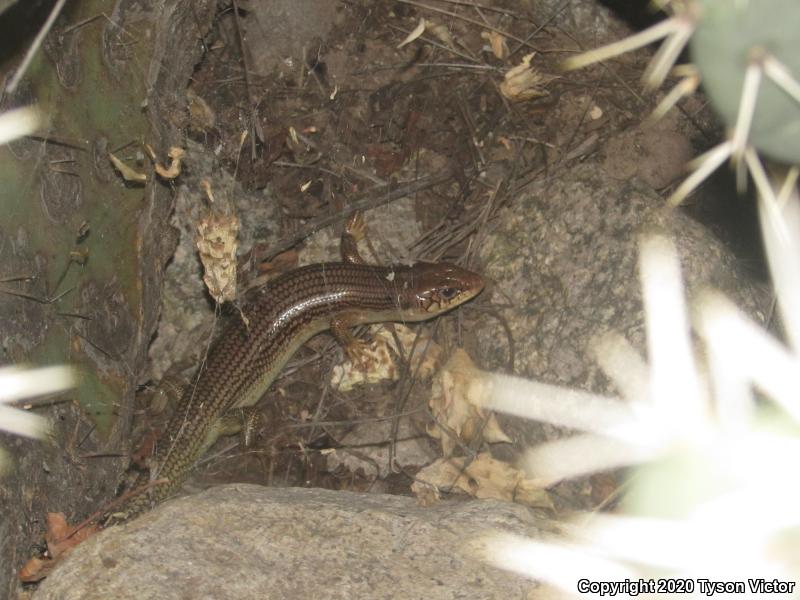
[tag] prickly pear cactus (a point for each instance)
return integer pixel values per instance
(82, 251)
(728, 36)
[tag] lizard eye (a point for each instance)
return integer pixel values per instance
(448, 293)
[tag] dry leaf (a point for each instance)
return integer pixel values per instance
(61, 539)
(418, 31)
(175, 154)
(217, 244)
(506, 143)
(498, 44)
(427, 353)
(281, 263)
(142, 455)
(293, 139)
(128, 174)
(441, 32)
(35, 570)
(175, 157)
(378, 366)
(523, 82)
(484, 477)
(456, 403)
(380, 360)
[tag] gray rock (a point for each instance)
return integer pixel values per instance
(582, 17)
(656, 154)
(564, 259)
(247, 541)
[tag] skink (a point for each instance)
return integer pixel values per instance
(286, 313)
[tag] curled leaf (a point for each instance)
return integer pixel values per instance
(523, 82)
(61, 537)
(175, 157)
(418, 31)
(201, 115)
(456, 404)
(498, 44)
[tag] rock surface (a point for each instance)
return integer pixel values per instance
(657, 154)
(564, 260)
(247, 541)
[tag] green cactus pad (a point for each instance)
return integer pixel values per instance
(721, 47)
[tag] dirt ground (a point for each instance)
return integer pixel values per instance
(332, 107)
(317, 103)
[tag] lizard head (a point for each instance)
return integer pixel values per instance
(426, 290)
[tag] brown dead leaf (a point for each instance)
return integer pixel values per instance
(523, 82)
(216, 242)
(281, 263)
(175, 157)
(439, 31)
(484, 477)
(175, 154)
(35, 570)
(381, 364)
(456, 404)
(506, 143)
(141, 456)
(498, 44)
(61, 538)
(387, 158)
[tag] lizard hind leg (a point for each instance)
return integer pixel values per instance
(245, 421)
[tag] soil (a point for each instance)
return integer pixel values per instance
(316, 104)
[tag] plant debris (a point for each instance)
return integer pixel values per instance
(175, 155)
(524, 82)
(456, 406)
(217, 244)
(129, 174)
(60, 539)
(482, 477)
(497, 43)
(380, 363)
